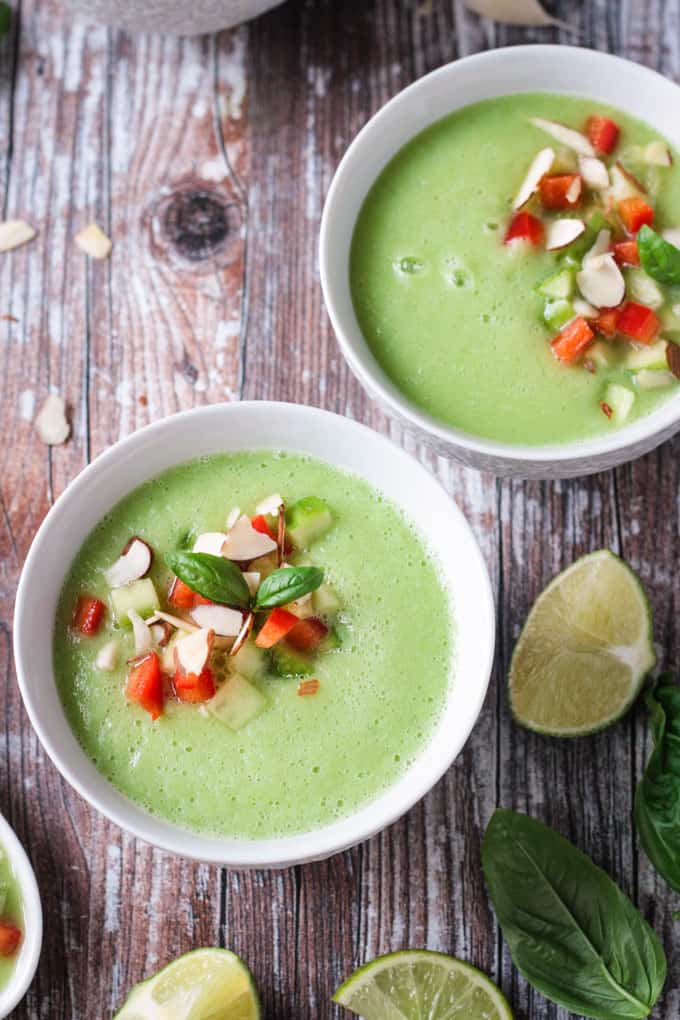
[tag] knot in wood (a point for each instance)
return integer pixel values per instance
(196, 224)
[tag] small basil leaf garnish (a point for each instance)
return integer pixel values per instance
(658, 257)
(657, 800)
(213, 577)
(572, 933)
(286, 585)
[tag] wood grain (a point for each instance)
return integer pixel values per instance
(207, 161)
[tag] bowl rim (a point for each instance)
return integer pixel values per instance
(27, 963)
(273, 852)
(356, 352)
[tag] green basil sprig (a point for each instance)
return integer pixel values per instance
(572, 933)
(658, 257)
(213, 577)
(286, 585)
(657, 800)
(220, 580)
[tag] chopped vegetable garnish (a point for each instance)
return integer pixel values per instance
(10, 937)
(561, 191)
(260, 524)
(145, 684)
(638, 322)
(572, 341)
(194, 688)
(626, 253)
(180, 595)
(524, 227)
(307, 687)
(635, 213)
(606, 322)
(307, 634)
(603, 134)
(88, 615)
(279, 623)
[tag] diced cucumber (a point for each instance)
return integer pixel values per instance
(138, 595)
(237, 702)
(307, 520)
(558, 313)
(601, 354)
(559, 284)
(644, 289)
(653, 379)
(325, 601)
(653, 357)
(620, 399)
(249, 661)
(287, 662)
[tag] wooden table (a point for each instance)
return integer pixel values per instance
(207, 162)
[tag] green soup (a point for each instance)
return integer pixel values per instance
(304, 761)
(11, 912)
(453, 315)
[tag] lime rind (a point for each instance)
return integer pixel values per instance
(608, 640)
(414, 983)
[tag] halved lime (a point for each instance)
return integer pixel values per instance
(418, 983)
(206, 984)
(585, 649)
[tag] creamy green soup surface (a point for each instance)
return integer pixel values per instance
(304, 761)
(452, 314)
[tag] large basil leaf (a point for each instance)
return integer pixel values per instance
(213, 577)
(658, 257)
(657, 801)
(573, 934)
(286, 585)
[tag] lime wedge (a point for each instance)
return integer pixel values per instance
(207, 984)
(418, 983)
(585, 649)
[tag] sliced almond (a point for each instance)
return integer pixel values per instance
(161, 632)
(564, 135)
(232, 517)
(243, 542)
(513, 12)
(243, 634)
(584, 309)
(224, 621)
(142, 633)
(252, 579)
(601, 282)
(14, 233)
(560, 233)
(192, 652)
(594, 172)
(133, 563)
(281, 534)
(210, 542)
(601, 245)
(657, 154)
(573, 192)
(623, 184)
(539, 168)
(107, 656)
(672, 235)
(51, 423)
(94, 242)
(673, 358)
(270, 505)
(174, 621)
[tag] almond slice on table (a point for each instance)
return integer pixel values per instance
(601, 281)
(564, 135)
(514, 12)
(560, 233)
(14, 233)
(270, 505)
(243, 542)
(133, 563)
(142, 633)
(224, 621)
(538, 169)
(657, 154)
(51, 423)
(594, 172)
(94, 242)
(192, 652)
(211, 542)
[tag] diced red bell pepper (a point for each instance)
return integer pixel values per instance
(524, 227)
(626, 253)
(307, 634)
(634, 213)
(607, 321)
(181, 596)
(278, 624)
(638, 322)
(260, 524)
(194, 688)
(603, 134)
(572, 340)
(554, 190)
(145, 684)
(10, 937)
(88, 615)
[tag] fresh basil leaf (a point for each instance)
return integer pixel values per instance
(572, 933)
(657, 800)
(213, 577)
(658, 257)
(5, 18)
(286, 585)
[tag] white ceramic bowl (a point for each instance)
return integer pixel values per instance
(29, 952)
(633, 88)
(234, 427)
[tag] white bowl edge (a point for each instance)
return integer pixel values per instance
(29, 953)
